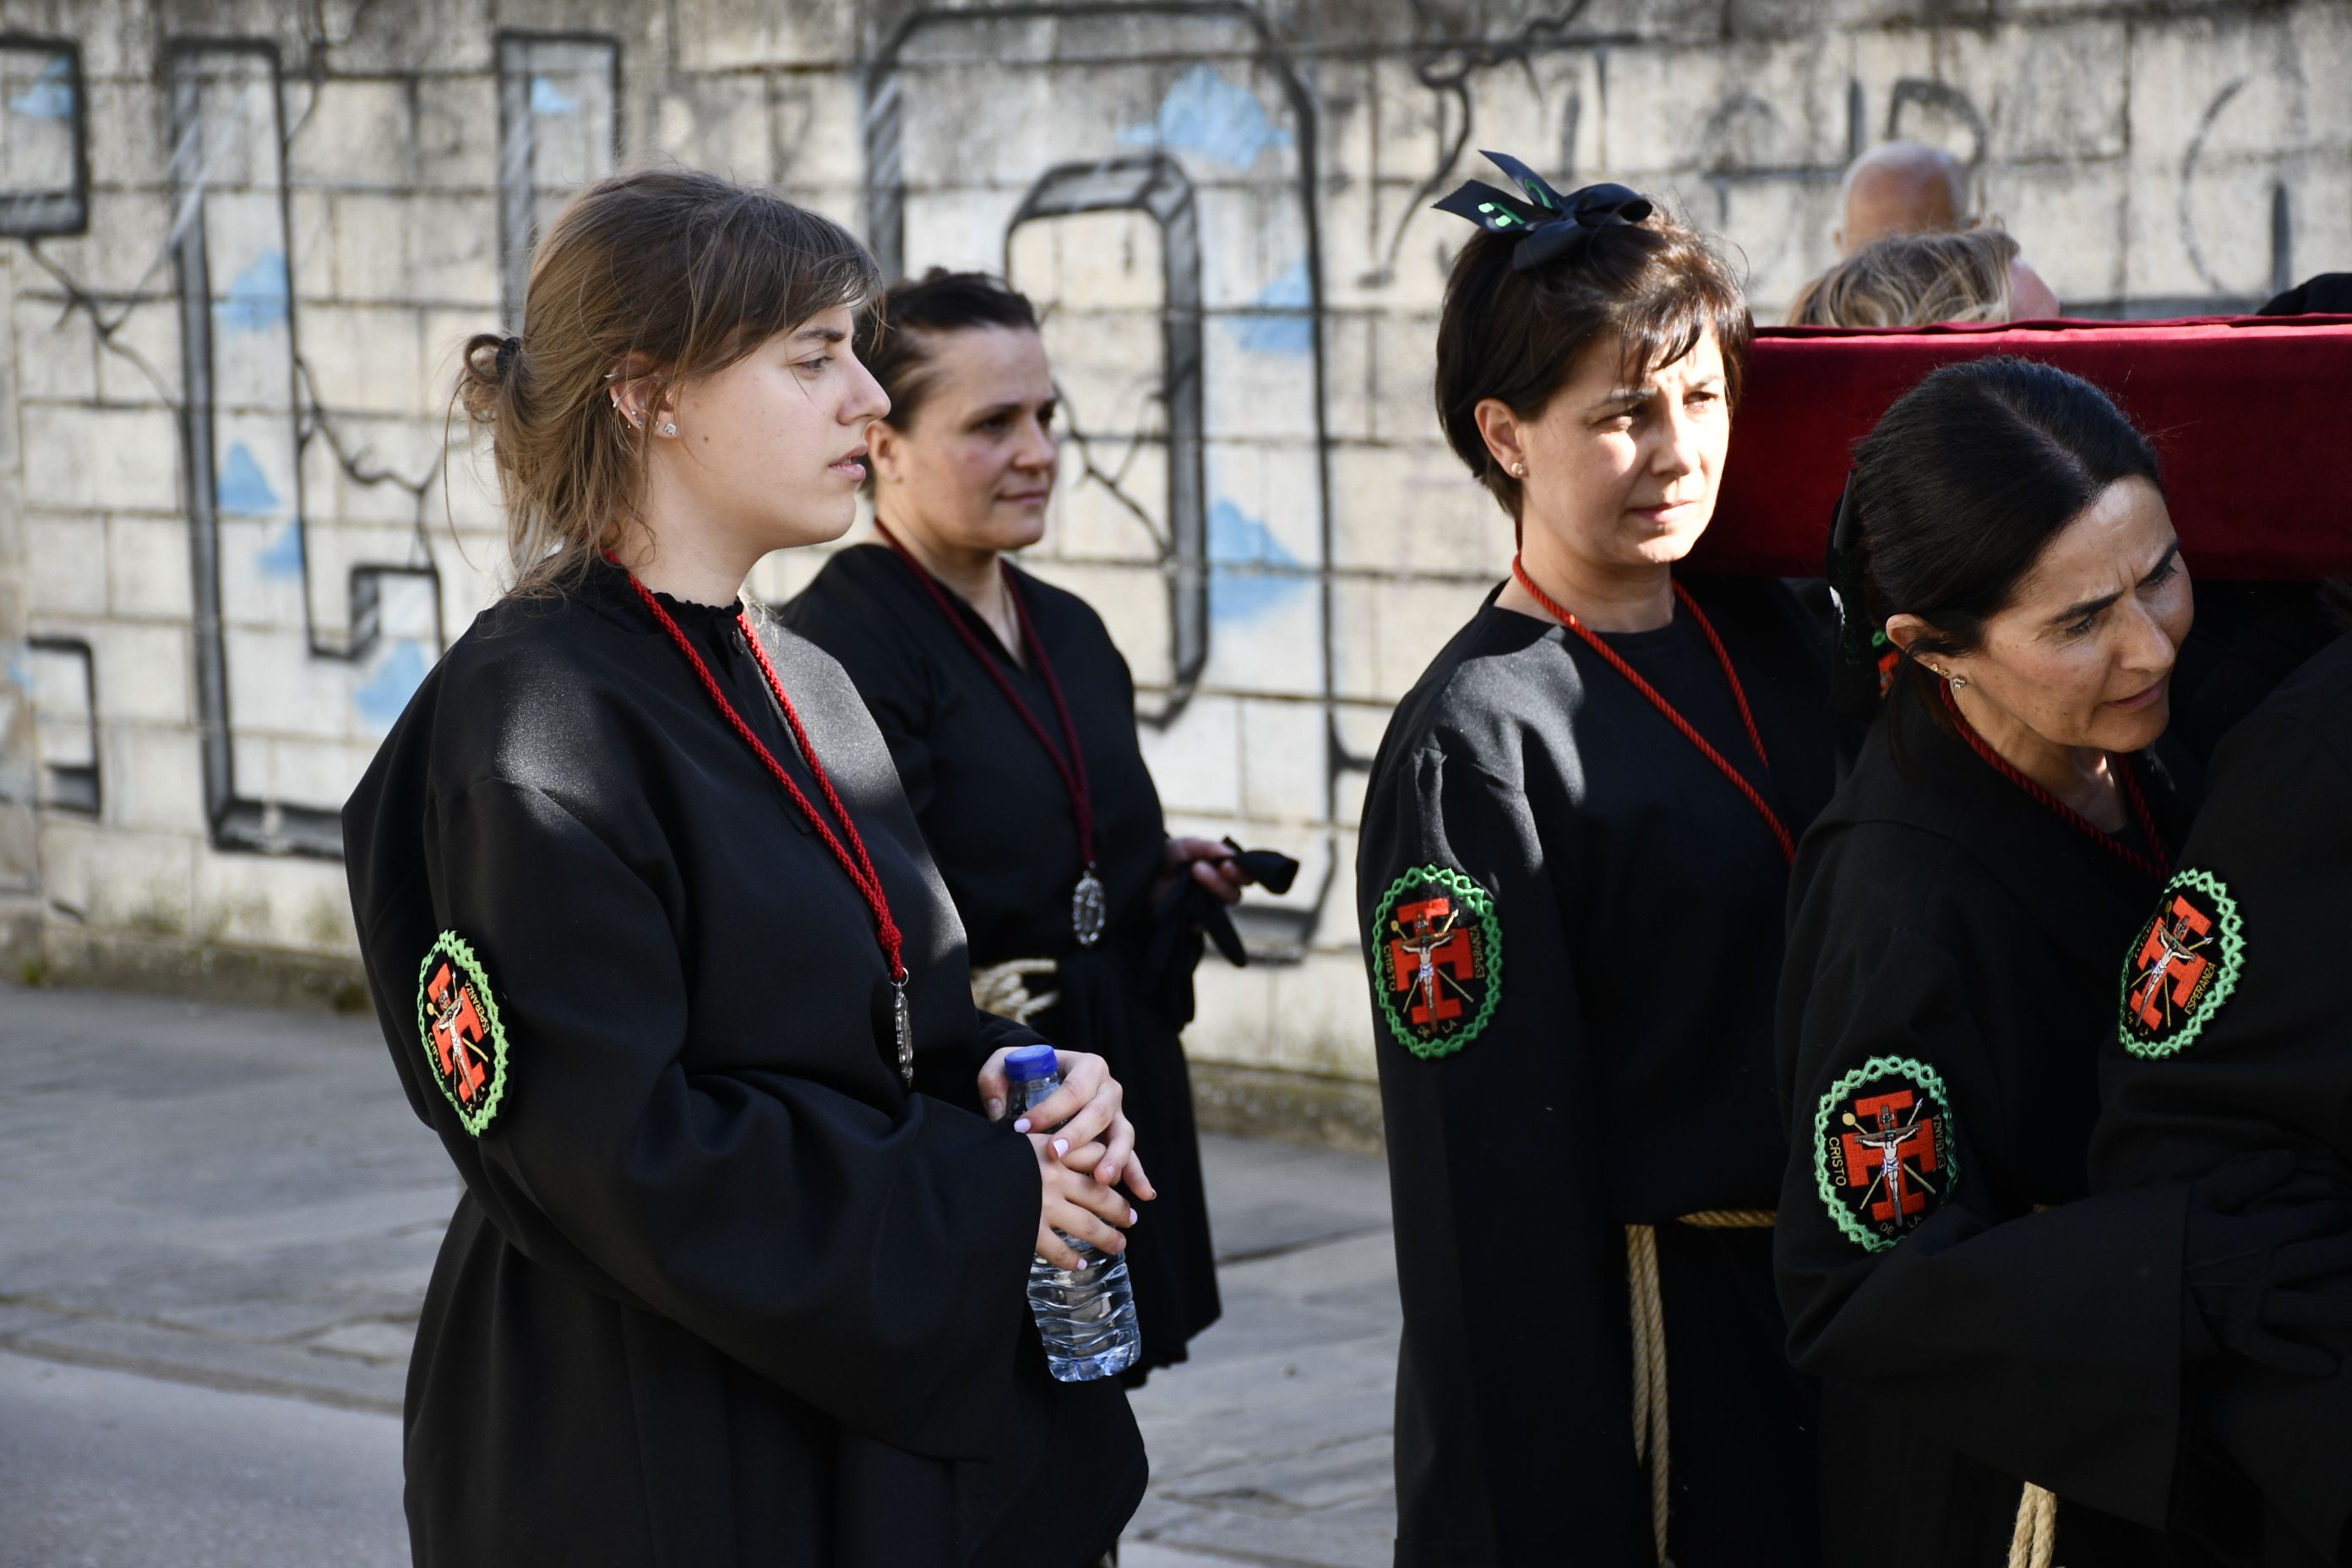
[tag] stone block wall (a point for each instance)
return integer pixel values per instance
(241, 240)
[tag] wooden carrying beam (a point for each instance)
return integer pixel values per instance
(2251, 418)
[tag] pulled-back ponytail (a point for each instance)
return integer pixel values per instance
(667, 274)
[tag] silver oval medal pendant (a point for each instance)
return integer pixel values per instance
(1088, 909)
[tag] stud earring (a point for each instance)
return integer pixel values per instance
(669, 426)
(1519, 470)
(1959, 683)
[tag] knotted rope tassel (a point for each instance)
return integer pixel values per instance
(2035, 1540)
(1648, 1313)
(999, 989)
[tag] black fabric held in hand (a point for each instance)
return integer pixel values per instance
(1186, 910)
(2248, 1277)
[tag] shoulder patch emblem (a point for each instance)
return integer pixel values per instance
(1438, 960)
(464, 1042)
(2182, 966)
(1883, 1154)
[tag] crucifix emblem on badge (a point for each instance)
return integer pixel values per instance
(1884, 1152)
(1897, 1191)
(1436, 958)
(464, 1040)
(2182, 966)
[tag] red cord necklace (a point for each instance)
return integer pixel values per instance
(1616, 661)
(2156, 869)
(852, 856)
(1088, 908)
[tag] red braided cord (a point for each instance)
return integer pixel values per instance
(1616, 661)
(2114, 846)
(861, 867)
(1738, 692)
(1072, 772)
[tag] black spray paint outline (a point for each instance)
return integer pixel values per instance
(1155, 184)
(1286, 930)
(37, 214)
(239, 821)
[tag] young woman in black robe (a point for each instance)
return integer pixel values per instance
(1574, 853)
(1978, 1324)
(738, 1273)
(2228, 1040)
(1011, 715)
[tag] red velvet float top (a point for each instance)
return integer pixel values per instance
(2249, 416)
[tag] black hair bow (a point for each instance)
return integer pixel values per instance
(1549, 224)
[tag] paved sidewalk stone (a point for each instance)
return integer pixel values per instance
(240, 1200)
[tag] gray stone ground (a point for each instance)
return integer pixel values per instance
(218, 1223)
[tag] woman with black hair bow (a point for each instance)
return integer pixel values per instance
(1574, 854)
(2003, 1359)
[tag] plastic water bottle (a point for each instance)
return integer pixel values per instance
(1086, 1316)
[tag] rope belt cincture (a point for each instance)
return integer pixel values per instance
(2034, 1543)
(1649, 1320)
(1002, 988)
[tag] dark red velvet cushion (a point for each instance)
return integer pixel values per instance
(2252, 417)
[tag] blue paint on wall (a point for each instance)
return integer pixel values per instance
(546, 97)
(399, 670)
(284, 556)
(256, 300)
(1290, 333)
(50, 97)
(1249, 570)
(1204, 113)
(242, 488)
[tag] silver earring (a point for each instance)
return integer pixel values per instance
(669, 426)
(1959, 683)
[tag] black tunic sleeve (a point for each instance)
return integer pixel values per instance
(1515, 1393)
(2229, 1039)
(870, 1263)
(1911, 1263)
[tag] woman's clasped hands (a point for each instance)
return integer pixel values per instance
(1084, 1146)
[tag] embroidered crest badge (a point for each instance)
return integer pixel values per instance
(1883, 1150)
(464, 1042)
(2182, 966)
(1437, 960)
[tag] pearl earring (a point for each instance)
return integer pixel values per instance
(1519, 470)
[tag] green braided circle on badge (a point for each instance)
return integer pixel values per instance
(463, 1020)
(2147, 1027)
(1489, 932)
(1919, 1075)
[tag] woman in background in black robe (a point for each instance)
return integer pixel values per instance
(1955, 918)
(738, 1272)
(1574, 854)
(981, 676)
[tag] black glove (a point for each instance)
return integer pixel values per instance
(2248, 1275)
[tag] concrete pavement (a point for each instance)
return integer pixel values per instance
(220, 1222)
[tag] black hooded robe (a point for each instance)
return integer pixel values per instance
(2229, 1036)
(721, 1289)
(1602, 913)
(1951, 959)
(999, 823)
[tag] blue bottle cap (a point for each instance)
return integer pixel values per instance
(1031, 1063)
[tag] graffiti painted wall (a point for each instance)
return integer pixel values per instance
(241, 240)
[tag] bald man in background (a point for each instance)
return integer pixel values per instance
(1902, 187)
(1909, 187)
